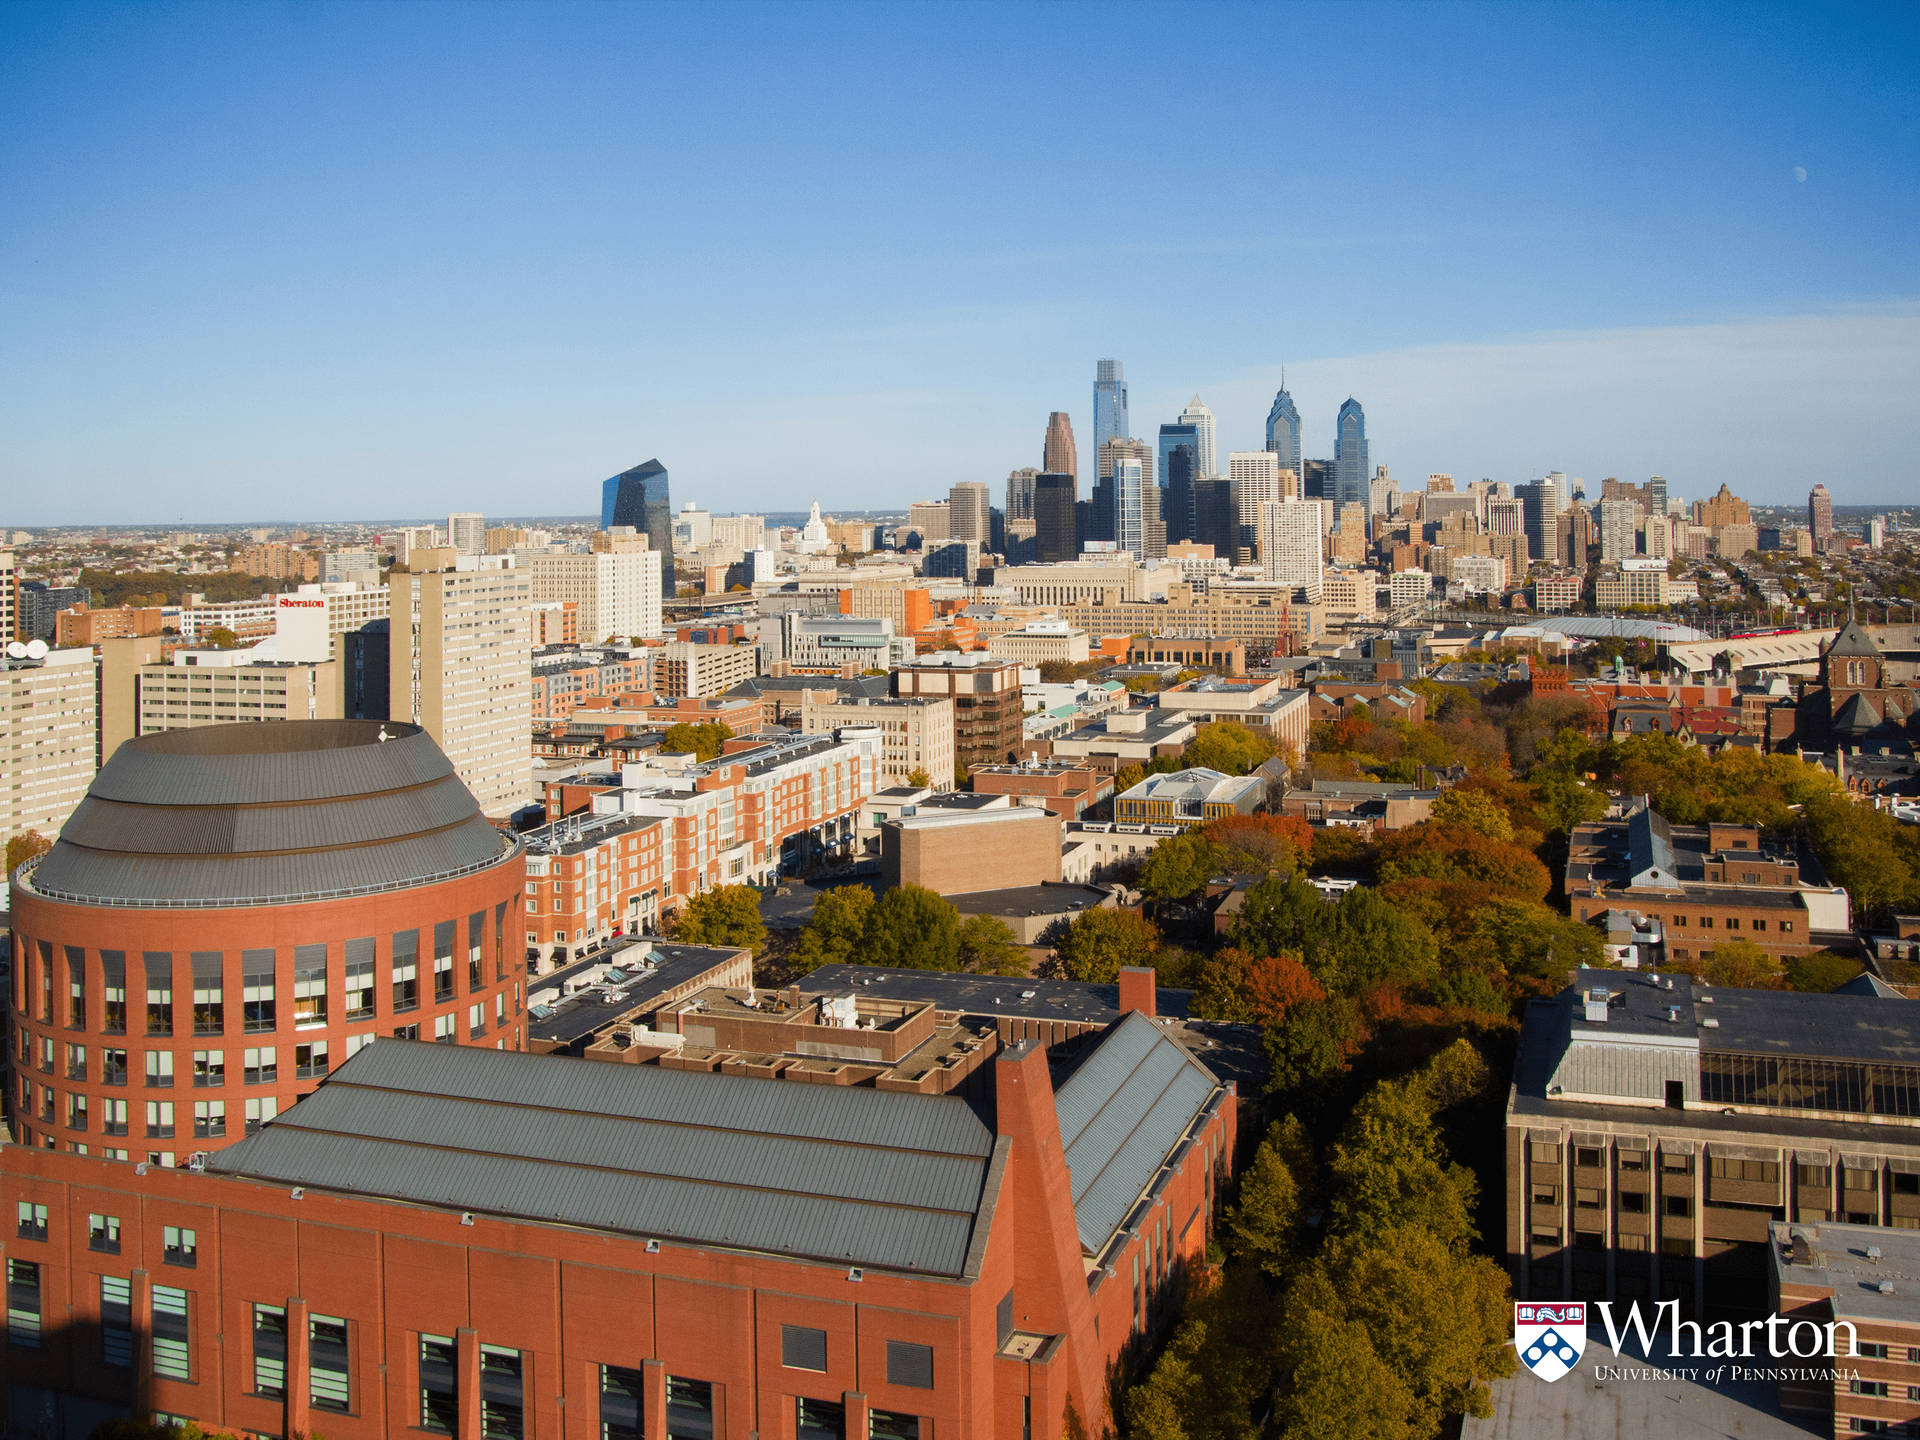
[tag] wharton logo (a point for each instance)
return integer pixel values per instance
(1549, 1337)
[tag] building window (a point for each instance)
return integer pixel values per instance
(113, 1117)
(328, 1384)
(1587, 1155)
(113, 991)
(1876, 1388)
(439, 1396)
(406, 970)
(159, 1069)
(159, 966)
(502, 1394)
(310, 1060)
(209, 1069)
(476, 1020)
(270, 1351)
(172, 1339)
(622, 1398)
(1585, 1198)
(1545, 1194)
(23, 1303)
(890, 1425)
(819, 1419)
(1722, 1168)
(1678, 1205)
(179, 1246)
(1633, 1160)
(476, 935)
(259, 1112)
(209, 1119)
(103, 1234)
(1676, 1163)
(262, 1065)
(446, 1030)
(209, 993)
(76, 987)
(443, 934)
(76, 1061)
(359, 995)
(160, 1119)
(803, 1348)
(309, 985)
(1820, 1175)
(909, 1364)
(258, 1007)
(76, 1111)
(1633, 1202)
(33, 1221)
(689, 1408)
(116, 1320)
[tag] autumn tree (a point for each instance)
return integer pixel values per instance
(1101, 942)
(27, 845)
(1389, 1168)
(1263, 1225)
(1740, 964)
(836, 931)
(701, 741)
(988, 946)
(1473, 810)
(1229, 748)
(725, 915)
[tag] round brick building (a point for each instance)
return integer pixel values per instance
(232, 911)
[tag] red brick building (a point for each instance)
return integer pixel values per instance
(478, 1244)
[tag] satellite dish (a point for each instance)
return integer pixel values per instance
(37, 649)
(16, 651)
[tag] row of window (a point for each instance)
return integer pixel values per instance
(204, 979)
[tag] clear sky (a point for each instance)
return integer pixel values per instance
(334, 261)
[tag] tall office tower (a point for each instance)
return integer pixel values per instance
(1283, 429)
(1254, 478)
(467, 532)
(1213, 515)
(1543, 501)
(1020, 488)
(1290, 543)
(1179, 470)
(1820, 517)
(638, 497)
(1129, 523)
(1055, 500)
(970, 513)
(1058, 457)
(1097, 524)
(1657, 494)
(931, 520)
(1380, 492)
(48, 719)
(1617, 519)
(460, 665)
(1574, 534)
(1109, 405)
(1201, 418)
(1506, 517)
(1659, 538)
(1351, 472)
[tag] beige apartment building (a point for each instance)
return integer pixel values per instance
(47, 739)
(690, 668)
(616, 592)
(915, 734)
(461, 665)
(1039, 641)
(221, 688)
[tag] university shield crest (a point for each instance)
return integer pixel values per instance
(1549, 1336)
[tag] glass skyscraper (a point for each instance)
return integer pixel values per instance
(1055, 504)
(1129, 522)
(1109, 404)
(1179, 470)
(1352, 475)
(638, 497)
(1283, 432)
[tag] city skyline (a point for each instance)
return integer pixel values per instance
(472, 277)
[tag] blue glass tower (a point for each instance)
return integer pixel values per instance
(1351, 473)
(638, 497)
(1179, 469)
(1109, 405)
(1283, 431)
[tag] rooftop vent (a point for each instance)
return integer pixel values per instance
(1673, 1014)
(1885, 1287)
(1873, 1253)
(1710, 1023)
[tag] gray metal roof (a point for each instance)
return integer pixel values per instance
(1122, 1113)
(265, 812)
(842, 1174)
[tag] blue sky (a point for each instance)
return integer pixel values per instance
(329, 260)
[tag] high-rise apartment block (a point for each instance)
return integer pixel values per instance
(227, 687)
(1254, 476)
(616, 591)
(1058, 456)
(1541, 502)
(1820, 518)
(639, 497)
(48, 710)
(916, 734)
(460, 662)
(1290, 544)
(986, 696)
(1352, 475)
(12, 620)
(1129, 527)
(467, 533)
(970, 513)
(1617, 525)
(1109, 404)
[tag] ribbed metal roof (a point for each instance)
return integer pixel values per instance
(1122, 1113)
(847, 1175)
(254, 813)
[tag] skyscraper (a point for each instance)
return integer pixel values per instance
(970, 513)
(1255, 478)
(1054, 498)
(467, 532)
(1129, 529)
(1201, 418)
(1657, 494)
(1020, 490)
(1351, 472)
(1179, 467)
(1283, 429)
(1290, 543)
(1058, 456)
(638, 497)
(1109, 404)
(1617, 519)
(1544, 501)
(1820, 517)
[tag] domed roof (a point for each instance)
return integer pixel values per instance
(268, 812)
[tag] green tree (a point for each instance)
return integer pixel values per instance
(1178, 867)
(1821, 972)
(1520, 937)
(1740, 964)
(1264, 1223)
(725, 915)
(27, 845)
(913, 928)
(1313, 1045)
(219, 637)
(1101, 942)
(702, 741)
(835, 931)
(1389, 1168)
(988, 946)
(1231, 749)
(1475, 810)
(1340, 1387)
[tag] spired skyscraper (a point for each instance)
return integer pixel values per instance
(1109, 405)
(1352, 476)
(638, 497)
(1283, 430)
(1057, 455)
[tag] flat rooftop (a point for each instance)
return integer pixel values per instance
(1836, 1257)
(1044, 899)
(1021, 997)
(630, 976)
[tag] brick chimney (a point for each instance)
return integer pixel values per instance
(1139, 990)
